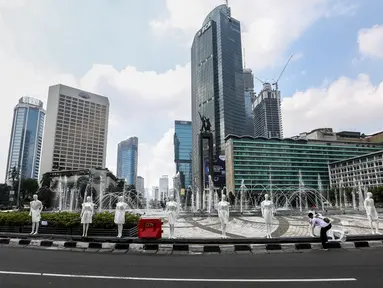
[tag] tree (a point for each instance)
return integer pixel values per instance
(28, 187)
(46, 196)
(46, 181)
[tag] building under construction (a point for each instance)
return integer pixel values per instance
(267, 113)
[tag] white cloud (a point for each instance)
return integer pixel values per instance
(269, 27)
(143, 103)
(371, 41)
(345, 104)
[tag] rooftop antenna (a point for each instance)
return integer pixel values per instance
(227, 3)
(283, 70)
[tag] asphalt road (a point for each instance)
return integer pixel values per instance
(22, 267)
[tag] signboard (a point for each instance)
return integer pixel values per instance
(204, 28)
(219, 171)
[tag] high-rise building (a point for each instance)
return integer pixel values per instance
(164, 187)
(248, 80)
(76, 130)
(140, 186)
(267, 113)
(127, 160)
(156, 193)
(217, 80)
(26, 138)
(183, 151)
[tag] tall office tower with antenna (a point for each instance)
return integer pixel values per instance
(217, 83)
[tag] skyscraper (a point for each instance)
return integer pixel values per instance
(164, 187)
(183, 151)
(76, 130)
(217, 80)
(140, 186)
(248, 80)
(267, 113)
(127, 160)
(156, 193)
(26, 138)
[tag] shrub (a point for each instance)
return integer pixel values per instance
(63, 219)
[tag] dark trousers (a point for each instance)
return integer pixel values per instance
(323, 235)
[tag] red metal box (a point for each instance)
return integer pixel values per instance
(150, 228)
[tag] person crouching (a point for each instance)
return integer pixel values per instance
(324, 225)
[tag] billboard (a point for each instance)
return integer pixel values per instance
(219, 174)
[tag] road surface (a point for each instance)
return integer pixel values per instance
(33, 268)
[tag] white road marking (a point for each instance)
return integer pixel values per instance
(173, 279)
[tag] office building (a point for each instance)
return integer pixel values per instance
(156, 193)
(248, 80)
(259, 160)
(267, 113)
(217, 81)
(366, 169)
(26, 138)
(127, 160)
(76, 130)
(183, 151)
(164, 187)
(140, 186)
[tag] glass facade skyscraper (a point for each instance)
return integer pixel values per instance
(26, 138)
(127, 160)
(183, 151)
(217, 80)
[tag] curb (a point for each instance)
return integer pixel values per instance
(151, 248)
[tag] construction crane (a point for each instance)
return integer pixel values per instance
(283, 70)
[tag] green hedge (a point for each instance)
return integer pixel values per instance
(63, 219)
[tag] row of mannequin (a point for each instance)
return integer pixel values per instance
(267, 208)
(86, 215)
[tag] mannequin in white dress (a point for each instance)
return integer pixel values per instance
(35, 212)
(119, 215)
(171, 212)
(86, 215)
(268, 210)
(372, 215)
(223, 214)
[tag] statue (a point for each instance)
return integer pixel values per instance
(268, 211)
(35, 212)
(372, 215)
(223, 214)
(119, 215)
(171, 212)
(86, 215)
(206, 125)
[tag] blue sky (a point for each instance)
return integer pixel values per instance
(138, 52)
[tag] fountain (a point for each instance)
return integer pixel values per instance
(242, 192)
(320, 191)
(211, 192)
(301, 185)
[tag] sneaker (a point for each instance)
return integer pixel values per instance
(324, 249)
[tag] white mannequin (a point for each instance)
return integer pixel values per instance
(171, 212)
(372, 215)
(268, 210)
(86, 215)
(223, 214)
(35, 211)
(119, 215)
